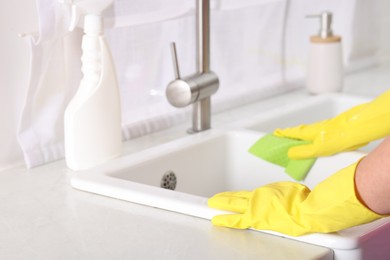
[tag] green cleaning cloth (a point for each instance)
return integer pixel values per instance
(274, 150)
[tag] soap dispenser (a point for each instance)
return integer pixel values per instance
(92, 120)
(325, 61)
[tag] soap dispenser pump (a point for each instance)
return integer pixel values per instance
(92, 120)
(325, 61)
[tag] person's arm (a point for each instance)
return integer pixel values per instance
(372, 179)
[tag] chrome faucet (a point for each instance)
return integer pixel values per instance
(198, 88)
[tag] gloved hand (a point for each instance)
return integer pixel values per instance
(348, 131)
(292, 209)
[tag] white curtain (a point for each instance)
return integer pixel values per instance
(258, 49)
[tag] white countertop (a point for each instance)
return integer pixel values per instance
(43, 217)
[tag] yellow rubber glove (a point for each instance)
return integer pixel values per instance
(292, 209)
(348, 131)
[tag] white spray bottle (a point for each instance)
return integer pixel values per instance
(93, 117)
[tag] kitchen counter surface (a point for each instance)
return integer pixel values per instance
(43, 217)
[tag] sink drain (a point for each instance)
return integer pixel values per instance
(169, 180)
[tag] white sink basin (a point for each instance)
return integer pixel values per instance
(203, 164)
(214, 161)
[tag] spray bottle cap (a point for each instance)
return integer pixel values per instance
(325, 24)
(92, 10)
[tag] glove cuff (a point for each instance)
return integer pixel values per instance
(333, 204)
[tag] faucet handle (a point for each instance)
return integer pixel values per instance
(175, 60)
(184, 91)
(180, 92)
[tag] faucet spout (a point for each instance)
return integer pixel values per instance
(203, 35)
(198, 88)
(201, 110)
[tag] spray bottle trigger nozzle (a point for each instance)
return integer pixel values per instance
(75, 17)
